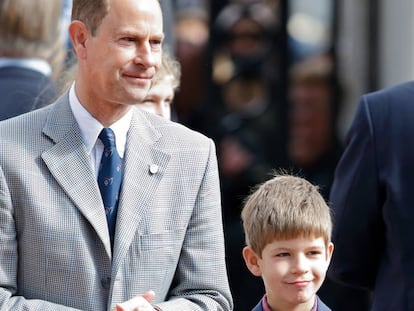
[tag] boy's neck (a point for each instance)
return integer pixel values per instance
(307, 306)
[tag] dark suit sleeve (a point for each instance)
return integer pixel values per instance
(357, 203)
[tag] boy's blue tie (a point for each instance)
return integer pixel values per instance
(109, 178)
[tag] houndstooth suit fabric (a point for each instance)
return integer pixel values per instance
(55, 251)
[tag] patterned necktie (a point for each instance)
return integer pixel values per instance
(109, 178)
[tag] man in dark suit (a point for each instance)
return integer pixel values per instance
(372, 199)
(23, 89)
(31, 52)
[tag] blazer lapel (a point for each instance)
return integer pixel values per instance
(144, 169)
(70, 164)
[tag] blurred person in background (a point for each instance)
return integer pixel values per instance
(32, 53)
(314, 149)
(192, 34)
(313, 144)
(247, 35)
(163, 87)
(242, 115)
(246, 138)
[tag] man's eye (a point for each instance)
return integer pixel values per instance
(148, 102)
(156, 43)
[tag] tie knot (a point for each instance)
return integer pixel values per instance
(107, 137)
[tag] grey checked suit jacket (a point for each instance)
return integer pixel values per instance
(54, 245)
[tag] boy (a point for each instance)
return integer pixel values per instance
(288, 228)
(164, 84)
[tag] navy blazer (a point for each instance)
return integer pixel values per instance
(372, 199)
(321, 306)
(23, 90)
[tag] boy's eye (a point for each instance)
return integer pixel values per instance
(282, 254)
(314, 253)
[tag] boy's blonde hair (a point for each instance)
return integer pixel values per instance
(170, 67)
(285, 207)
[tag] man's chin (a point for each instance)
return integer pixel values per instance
(135, 97)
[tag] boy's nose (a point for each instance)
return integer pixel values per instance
(300, 264)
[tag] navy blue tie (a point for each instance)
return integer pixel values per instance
(109, 178)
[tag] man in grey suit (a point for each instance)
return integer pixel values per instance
(56, 251)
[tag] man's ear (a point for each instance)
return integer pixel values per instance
(251, 259)
(79, 34)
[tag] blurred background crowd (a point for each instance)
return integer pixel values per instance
(273, 82)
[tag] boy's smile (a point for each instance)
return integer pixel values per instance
(293, 270)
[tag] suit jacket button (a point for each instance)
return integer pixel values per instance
(153, 169)
(106, 283)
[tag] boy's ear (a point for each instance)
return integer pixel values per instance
(251, 260)
(329, 251)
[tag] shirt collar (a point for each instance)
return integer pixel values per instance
(90, 127)
(265, 304)
(315, 305)
(266, 307)
(36, 64)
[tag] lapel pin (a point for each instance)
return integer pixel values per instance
(153, 168)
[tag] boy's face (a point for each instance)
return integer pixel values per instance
(292, 270)
(159, 98)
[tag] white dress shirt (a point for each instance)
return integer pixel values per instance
(90, 129)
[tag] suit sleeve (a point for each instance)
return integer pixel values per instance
(201, 275)
(356, 200)
(9, 298)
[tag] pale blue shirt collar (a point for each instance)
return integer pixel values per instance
(90, 127)
(36, 64)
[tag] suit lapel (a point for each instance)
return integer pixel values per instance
(70, 164)
(144, 169)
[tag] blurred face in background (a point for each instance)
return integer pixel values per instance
(247, 38)
(160, 97)
(310, 122)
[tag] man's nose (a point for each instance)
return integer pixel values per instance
(145, 56)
